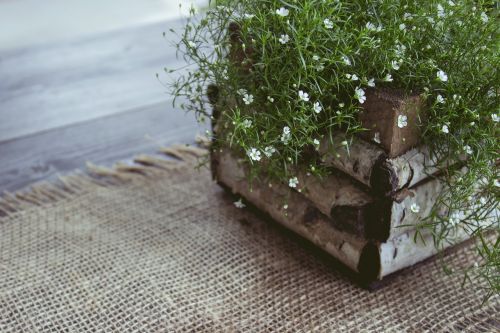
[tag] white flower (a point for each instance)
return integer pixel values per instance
(445, 129)
(484, 17)
(395, 65)
(192, 44)
(496, 183)
(359, 94)
(483, 200)
(315, 57)
(442, 76)
(468, 150)
(317, 107)
(303, 96)
(407, 16)
(286, 136)
(282, 12)
(402, 121)
(346, 61)
(402, 26)
(495, 117)
(239, 204)
(353, 77)
(247, 123)
(415, 208)
(440, 11)
(371, 83)
(376, 137)
(328, 23)
(269, 151)
(249, 16)
(454, 219)
(270, 99)
(388, 78)
(370, 26)
(248, 99)
(284, 39)
(440, 99)
(316, 142)
(293, 182)
(254, 154)
(285, 207)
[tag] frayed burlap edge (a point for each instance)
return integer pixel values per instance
(143, 168)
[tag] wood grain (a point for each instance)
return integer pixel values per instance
(56, 85)
(105, 140)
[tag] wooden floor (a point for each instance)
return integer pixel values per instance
(96, 99)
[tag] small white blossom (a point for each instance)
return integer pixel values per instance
(440, 99)
(371, 83)
(407, 16)
(303, 96)
(440, 11)
(247, 123)
(316, 142)
(286, 136)
(454, 219)
(341, 105)
(249, 16)
(192, 44)
(293, 182)
(270, 99)
(395, 65)
(353, 77)
(315, 57)
(415, 208)
(248, 99)
(496, 183)
(346, 61)
(282, 12)
(376, 137)
(483, 200)
(254, 154)
(284, 39)
(468, 150)
(402, 121)
(285, 207)
(359, 94)
(344, 143)
(317, 107)
(495, 117)
(269, 151)
(484, 17)
(442, 76)
(239, 204)
(328, 23)
(388, 78)
(445, 129)
(370, 26)
(402, 26)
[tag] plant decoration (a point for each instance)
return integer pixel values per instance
(308, 65)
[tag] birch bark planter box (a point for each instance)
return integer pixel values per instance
(360, 213)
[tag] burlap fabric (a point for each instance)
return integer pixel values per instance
(161, 248)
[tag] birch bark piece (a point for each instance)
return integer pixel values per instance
(301, 216)
(373, 260)
(368, 164)
(381, 114)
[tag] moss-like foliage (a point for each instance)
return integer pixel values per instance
(290, 73)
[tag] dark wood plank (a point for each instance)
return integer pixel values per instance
(52, 86)
(102, 141)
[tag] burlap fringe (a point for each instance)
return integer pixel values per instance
(66, 187)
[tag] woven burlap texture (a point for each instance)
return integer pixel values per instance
(161, 248)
